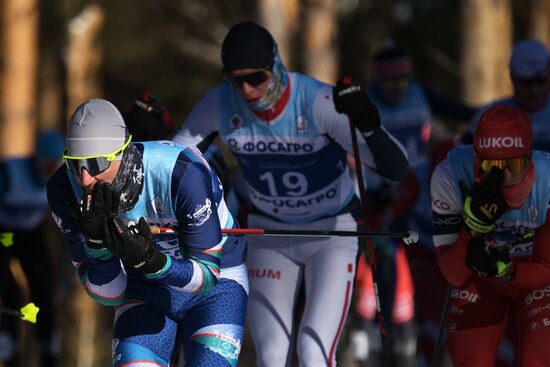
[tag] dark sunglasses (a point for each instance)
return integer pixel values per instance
(253, 79)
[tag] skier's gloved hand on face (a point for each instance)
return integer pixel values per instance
(134, 246)
(97, 206)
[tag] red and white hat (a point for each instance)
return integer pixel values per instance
(503, 132)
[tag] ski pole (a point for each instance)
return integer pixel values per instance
(442, 327)
(409, 237)
(369, 251)
(27, 313)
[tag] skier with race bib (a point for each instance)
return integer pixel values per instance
(190, 285)
(491, 230)
(290, 134)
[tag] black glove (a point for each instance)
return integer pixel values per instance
(487, 262)
(354, 101)
(96, 207)
(483, 204)
(133, 245)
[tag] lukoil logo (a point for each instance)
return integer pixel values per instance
(501, 142)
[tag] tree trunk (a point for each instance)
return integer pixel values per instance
(319, 33)
(93, 323)
(539, 20)
(485, 49)
(51, 92)
(84, 57)
(280, 18)
(18, 118)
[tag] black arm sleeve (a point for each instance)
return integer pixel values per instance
(391, 162)
(207, 141)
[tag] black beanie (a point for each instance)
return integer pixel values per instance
(247, 45)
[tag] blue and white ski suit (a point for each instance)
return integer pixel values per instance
(295, 166)
(201, 293)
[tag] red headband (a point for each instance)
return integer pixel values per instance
(393, 67)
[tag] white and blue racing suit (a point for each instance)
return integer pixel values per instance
(298, 178)
(201, 292)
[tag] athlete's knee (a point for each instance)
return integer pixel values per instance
(308, 358)
(313, 351)
(124, 353)
(271, 352)
(224, 340)
(271, 358)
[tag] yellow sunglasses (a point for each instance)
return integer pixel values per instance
(515, 165)
(94, 164)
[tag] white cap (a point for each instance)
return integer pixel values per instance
(95, 128)
(529, 59)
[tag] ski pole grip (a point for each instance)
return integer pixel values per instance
(158, 230)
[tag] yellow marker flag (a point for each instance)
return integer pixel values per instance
(28, 313)
(6, 239)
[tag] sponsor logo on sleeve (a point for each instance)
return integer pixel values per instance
(446, 224)
(440, 204)
(201, 214)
